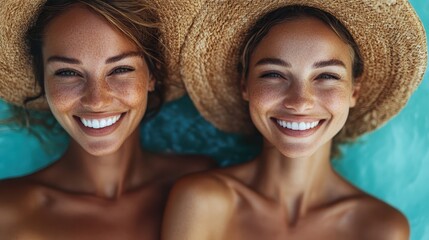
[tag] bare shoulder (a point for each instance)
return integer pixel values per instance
(198, 207)
(207, 185)
(378, 220)
(205, 191)
(223, 184)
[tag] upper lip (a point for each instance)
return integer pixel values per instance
(298, 119)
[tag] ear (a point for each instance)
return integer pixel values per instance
(355, 94)
(243, 85)
(152, 83)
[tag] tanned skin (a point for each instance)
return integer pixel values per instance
(300, 72)
(104, 186)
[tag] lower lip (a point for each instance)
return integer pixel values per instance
(98, 132)
(298, 133)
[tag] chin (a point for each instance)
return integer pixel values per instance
(100, 149)
(297, 151)
(295, 155)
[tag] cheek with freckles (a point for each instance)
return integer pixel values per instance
(337, 103)
(262, 95)
(263, 99)
(62, 97)
(132, 92)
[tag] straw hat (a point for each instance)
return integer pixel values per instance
(389, 35)
(176, 18)
(16, 75)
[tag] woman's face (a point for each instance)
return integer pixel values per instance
(299, 86)
(96, 80)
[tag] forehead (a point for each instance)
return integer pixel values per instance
(304, 36)
(79, 29)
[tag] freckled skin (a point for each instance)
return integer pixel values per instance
(299, 92)
(103, 187)
(96, 90)
(289, 191)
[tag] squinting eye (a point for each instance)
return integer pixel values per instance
(328, 76)
(66, 73)
(271, 75)
(121, 70)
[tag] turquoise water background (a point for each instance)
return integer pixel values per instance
(391, 163)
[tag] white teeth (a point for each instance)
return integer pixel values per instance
(298, 126)
(295, 126)
(100, 123)
(84, 121)
(95, 123)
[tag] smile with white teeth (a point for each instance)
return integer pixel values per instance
(297, 126)
(101, 122)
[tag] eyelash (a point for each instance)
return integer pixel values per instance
(67, 73)
(121, 70)
(323, 76)
(328, 76)
(71, 73)
(271, 75)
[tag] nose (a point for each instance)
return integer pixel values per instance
(299, 97)
(97, 95)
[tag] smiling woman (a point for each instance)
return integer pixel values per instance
(93, 83)
(99, 68)
(311, 74)
(308, 106)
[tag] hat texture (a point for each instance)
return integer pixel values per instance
(389, 34)
(176, 18)
(16, 75)
(17, 81)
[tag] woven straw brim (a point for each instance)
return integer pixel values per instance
(17, 80)
(389, 35)
(176, 18)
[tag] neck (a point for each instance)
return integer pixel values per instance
(297, 184)
(107, 176)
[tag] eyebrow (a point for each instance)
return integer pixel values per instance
(57, 58)
(330, 62)
(275, 61)
(319, 64)
(124, 55)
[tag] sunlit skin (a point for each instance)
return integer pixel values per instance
(104, 186)
(79, 85)
(301, 71)
(303, 78)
